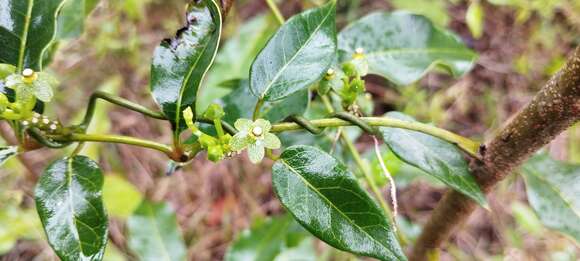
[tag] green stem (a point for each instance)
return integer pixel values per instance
(276, 11)
(257, 109)
(468, 145)
(117, 101)
(78, 137)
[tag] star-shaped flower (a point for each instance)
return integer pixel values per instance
(31, 83)
(256, 137)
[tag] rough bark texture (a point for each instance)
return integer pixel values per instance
(555, 108)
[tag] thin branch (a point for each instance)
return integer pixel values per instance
(464, 143)
(554, 109)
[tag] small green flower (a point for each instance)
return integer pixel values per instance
(256, 137)
(31, 83)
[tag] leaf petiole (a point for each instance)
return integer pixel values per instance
(117, 101)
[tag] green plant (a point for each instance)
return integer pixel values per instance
(306, 64)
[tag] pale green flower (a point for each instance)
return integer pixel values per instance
(255, 136)
(30, 83)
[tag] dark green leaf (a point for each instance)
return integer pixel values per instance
(297, 55)
(6, 153)
(71, 21)
(69, 203)
(554, 193)
(26, 29)
(262, 243)
(328, 201)
(180, 64)
(240, 104)
(154, 233)
(436, 157)
(403, 47)
(235, 57)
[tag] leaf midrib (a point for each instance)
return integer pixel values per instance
(333, 206)
(279, 73)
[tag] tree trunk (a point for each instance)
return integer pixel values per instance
(554, 109)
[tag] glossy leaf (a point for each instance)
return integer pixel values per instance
(403, 47)
(436, 157)
(328, 201)
(6, 153)
(180, 64)
(154, 233)
(261, 243)
(240, 104)
(71, 21)
(553, 190)
(26, 30)
(297, 55)
(69, 203)
(235, 57)
(121, 197)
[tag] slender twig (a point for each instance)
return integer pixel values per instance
(79, 137)
(468, 145)
(117, 101)
(276, 11)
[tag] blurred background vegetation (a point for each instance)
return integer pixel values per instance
(521, 44)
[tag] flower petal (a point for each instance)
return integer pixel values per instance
(43, 90)
(13, 80)
(271, 141)
(264, 124)
(239, 142)
(256, 153)
(243, 124)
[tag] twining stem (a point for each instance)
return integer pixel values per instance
(276, 11)
(79, 137)
(469, 146)
(117, 101)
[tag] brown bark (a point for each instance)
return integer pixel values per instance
(554, 109)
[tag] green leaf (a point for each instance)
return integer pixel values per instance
(240, 104)
(121, 197)
(327, 200)
(27, 27)
(403, 47)
(71, 21)
(180, 64)
(154, 233)
(235, 57)
(261, 243)
(553, 189)
(436, 11)
(475, 19)
(297, 56)
(6, 153)
(436, 157)
(69, 203)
